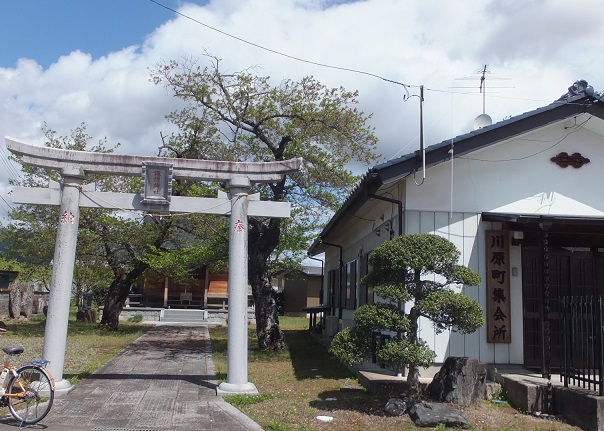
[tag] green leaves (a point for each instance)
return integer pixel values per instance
(381, 316)
(416, 252)
(395, 292)
(417, 268)
(448, 309)
(400, 353)
(245, 117)
(350, 346)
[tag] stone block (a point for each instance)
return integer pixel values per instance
(461, 380)
(426, 414)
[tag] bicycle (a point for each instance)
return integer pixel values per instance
(27, 391)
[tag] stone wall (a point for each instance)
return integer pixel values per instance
(149, 314)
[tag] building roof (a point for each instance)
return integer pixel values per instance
(570, 104)
(312, 271)
(306, 271)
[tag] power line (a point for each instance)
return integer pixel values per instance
(575, 129)
(6, 161)
(10, 207)
(281, 53)
(329, 66)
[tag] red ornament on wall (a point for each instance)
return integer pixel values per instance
(576, 160)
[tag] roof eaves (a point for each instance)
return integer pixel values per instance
(489, 135)
(463, 144)
(369, 184)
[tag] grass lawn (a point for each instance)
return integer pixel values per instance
(88, 346)
(304, 382)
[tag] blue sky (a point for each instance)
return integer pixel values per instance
(80, 66)
(44, 30)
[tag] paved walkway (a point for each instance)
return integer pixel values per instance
(165, 380)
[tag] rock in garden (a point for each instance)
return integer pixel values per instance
(87, 315)
(27, 300)
(14, 299)
(395, 407)
(426, 414)
(460, 380)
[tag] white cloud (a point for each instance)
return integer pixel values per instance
(541, 46)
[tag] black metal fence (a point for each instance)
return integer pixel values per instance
(583, 359)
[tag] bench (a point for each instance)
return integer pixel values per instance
(134, 300)
(185, 301)
(316, 315)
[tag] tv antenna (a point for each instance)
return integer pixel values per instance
(484, 119)
(483, 73)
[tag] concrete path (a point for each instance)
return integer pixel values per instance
(165, 380)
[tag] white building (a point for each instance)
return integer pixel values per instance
(521, 199)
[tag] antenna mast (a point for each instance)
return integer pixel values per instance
(421, 129)
(483, 85)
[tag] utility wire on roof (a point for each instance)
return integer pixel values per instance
(575, 129)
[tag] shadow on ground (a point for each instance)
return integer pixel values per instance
(310, 359)
(351, 399)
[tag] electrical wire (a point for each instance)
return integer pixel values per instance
(329, 66)
(6, 161)
(10, 207)
(576, 129)
(279, 52)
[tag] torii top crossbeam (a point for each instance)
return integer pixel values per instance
(192, 169)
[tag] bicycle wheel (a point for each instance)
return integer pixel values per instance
(30, 394)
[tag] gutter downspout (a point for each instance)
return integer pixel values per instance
(339, 281)
(322, 277)
(400, 210)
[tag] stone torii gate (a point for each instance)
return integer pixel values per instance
(157, 173)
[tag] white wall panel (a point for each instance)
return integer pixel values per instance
(456, 236)
(426, 222)
(442, 340)
(519, 177)
(517, 346)
(472, 249)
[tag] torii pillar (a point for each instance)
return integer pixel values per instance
(237, 376)
(75, 165)
(62, 276)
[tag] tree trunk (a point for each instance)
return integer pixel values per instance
(117, 295)
(270, 336)
(413, 376)
(114, 302)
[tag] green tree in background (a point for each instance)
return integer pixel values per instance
(30, 236)
(417, 268)
(248, 118)
(113, 250)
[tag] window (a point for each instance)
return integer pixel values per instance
(351, 285)
(366, 292)
(333, 287)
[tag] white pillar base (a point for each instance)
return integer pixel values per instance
(63, 387)
(225, 389)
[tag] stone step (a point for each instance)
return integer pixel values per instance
(185, 316)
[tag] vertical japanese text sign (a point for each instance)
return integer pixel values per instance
(498, 286)
(157, 182)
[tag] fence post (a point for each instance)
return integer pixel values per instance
(565, 335)
(600, 348)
